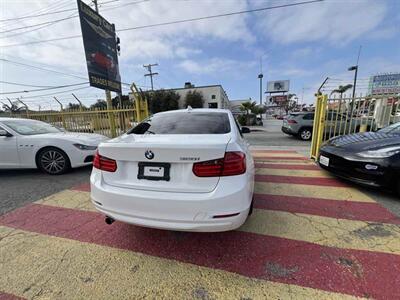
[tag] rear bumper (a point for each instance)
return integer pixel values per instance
(175, 211)
(288, 130)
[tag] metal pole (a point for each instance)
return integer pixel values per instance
(260, 76)
(354, 88)
(79, 101)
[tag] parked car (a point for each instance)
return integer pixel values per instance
(28, 143)
(299, 124)
(370, 158)
(188, 170)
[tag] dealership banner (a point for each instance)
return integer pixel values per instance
(385, 84)
(100, 49)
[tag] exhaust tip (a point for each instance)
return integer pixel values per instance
(109, 220)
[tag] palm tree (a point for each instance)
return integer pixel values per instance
(342, 89)
(247, 107)
(13, 107)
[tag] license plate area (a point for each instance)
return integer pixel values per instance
(323, 160)
(154, 171)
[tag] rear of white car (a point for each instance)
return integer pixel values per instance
(184, 170)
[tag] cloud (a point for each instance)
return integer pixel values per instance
(335, 22)
(215, 66)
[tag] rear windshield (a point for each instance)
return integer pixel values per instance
(184, 123)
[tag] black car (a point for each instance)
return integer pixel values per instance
(370, 158)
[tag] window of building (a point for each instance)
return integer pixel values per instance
(213, 97)
(213, 105)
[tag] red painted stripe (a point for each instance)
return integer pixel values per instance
(273, 151)
(288, 166)
(6, 296)
(350, 210)
(267, 158)
(84, 187)
(360, 273)
(320, 181)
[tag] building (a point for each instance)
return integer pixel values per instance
(214, 95)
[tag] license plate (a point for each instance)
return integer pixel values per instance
(154, 171)
(323, 160)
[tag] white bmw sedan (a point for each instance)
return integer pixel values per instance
(186, 170)
(28, 143)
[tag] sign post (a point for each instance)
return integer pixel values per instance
(101, 53)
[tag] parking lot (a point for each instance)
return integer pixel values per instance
(310, 236)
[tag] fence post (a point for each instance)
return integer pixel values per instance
(62, 113)
(319, 125)
(110, 112)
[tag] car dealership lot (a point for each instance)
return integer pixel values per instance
(310, 235)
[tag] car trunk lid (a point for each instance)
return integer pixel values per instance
(172, 155)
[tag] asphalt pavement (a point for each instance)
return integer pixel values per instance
(20, 187)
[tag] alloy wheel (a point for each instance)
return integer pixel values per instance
(53, 161)
(305, 135)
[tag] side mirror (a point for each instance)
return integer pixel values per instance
(245, 130)
(5, 133)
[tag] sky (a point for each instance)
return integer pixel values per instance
(304, 44)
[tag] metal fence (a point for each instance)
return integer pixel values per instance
(340, 115)
(106, 122)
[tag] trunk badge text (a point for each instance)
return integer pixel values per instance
(190, 158)
(149, 154)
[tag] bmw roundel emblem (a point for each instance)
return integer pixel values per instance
(149, 154)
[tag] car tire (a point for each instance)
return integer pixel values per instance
(305, 134)
(53, 161)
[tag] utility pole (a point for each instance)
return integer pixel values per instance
(355, 69)
(148, 67)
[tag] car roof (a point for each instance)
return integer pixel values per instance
(196, 110)
(15, 119)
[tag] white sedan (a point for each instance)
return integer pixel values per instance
(28, 143)
(187, 170)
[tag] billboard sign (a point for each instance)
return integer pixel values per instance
(278, 86)
(385, 84)
(100, 49)
(279, 99)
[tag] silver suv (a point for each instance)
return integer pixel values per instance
(299, 124)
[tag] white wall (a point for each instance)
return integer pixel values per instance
(220, 97)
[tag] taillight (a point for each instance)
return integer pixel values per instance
(233, 163)
(291, 121)
(104, 163)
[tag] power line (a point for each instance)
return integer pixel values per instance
(74, 9)
(44, 89)
(28, 85)
(52, 94)
(42, 69)
(49, 23)
(173, 22)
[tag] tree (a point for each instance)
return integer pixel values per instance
(194, 99)
(247, 107)
(258, 109)
(162, 100)
(74, 106)
(100, 104)
(342, 89)
(13, 107)
(124, 101)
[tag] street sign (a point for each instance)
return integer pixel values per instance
(100, 49)
(278, 86)
(385, 84)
